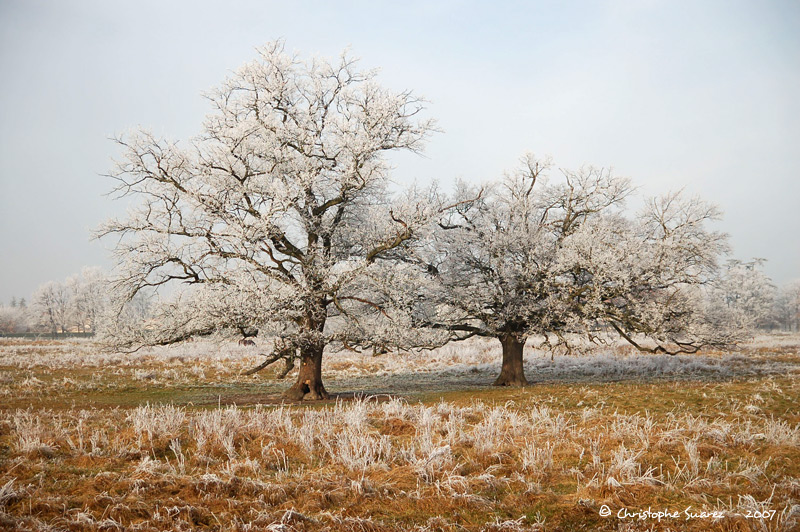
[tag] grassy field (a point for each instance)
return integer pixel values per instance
(177, 439)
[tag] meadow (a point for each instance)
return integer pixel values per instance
(175, 438)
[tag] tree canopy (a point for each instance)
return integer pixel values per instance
(560, 258)
(276, 216)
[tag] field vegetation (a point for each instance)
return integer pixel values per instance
(175, 438)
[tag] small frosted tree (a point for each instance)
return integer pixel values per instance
(88, 298)
(12, 319)
(786, 310)
(558, 259)
(276, 217)
(50, 307)
(745, 291)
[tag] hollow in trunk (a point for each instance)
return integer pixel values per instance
(308, 386)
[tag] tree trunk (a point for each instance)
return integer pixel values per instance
(512, 372)
(309, 385)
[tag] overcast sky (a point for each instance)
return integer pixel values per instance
(700, 95)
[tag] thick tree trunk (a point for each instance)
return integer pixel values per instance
(309, 385)
(512, 372)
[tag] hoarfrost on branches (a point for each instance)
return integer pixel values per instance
(534, 257)
(277, 215)
(746, 294)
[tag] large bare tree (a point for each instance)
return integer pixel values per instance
(275, 217)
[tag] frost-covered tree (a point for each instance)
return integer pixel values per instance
(649, 277)
(276, 216)
(88, 298)
(554, 259)
(786, 310)
(50, 307)
(746, 292)
(12, 319)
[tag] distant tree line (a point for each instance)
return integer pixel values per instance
(73, 306)
(761, 304)
(80, 303)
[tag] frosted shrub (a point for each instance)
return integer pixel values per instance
(306, 432)
(219, 425)
(781, 433)
(354, 414)
(150, 466)
(454, 427)
(274, 421)
(543, 419)
(498, 427)
(359, 451)
(31, 434)
(693, 456)
(626, 469)
(180, 458)
(157, 421)
(395, 407)
(637, 426)
(488, 437)
(7, 493)
(430, 462)
(752, 470)
(537, 459)
(315, 426)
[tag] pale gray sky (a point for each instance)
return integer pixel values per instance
(695, 94)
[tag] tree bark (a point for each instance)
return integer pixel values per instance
(308, 386)
(512, 373)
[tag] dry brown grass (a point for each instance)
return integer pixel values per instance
(544, 458)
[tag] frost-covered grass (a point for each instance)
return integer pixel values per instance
(389, 464)
(717, 432)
